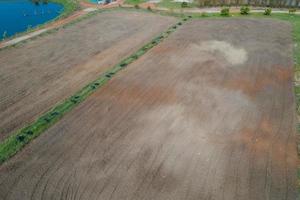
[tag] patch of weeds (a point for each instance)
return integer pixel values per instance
(268, 11)
(225, 11)
(245, 10)
(20, 138)
(292, 10)
(29, 132)
(184, 4)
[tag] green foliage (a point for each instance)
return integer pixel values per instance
(136, 6)
(268, 11)
(134, 2)
(245, 10)
(184, 4)
(292, 10)
(225, 11)
(69, 6)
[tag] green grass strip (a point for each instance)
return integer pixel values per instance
(21, 137)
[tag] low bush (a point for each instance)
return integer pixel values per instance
(292, 10)
(268, 11)
(149, 8)
(184, 4)
(225, 11)
(136, 6)
(245, 10)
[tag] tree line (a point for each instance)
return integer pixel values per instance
(264, 3)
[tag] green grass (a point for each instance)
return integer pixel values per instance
(69, 7)
(134, 2)
(20, 138)
(170, 4)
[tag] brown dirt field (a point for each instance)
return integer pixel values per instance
(42, 72)
(206, 115)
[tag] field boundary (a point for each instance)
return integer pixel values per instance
(16, 141)
(77, 17)
(49, 28)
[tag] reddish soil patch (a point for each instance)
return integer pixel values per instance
(42, 72)
(172, 126)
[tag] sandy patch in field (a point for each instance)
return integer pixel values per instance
(232, 54)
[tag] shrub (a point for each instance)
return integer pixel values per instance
(245, 10)
(149, 8)
(184, 4)
(136, 6)
(292, 10)
(225, 11)
(268, 11)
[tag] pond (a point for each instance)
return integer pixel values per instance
(19, 15)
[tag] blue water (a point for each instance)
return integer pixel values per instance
(96, 1)
(18, 15)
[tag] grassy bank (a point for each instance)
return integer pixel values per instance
(134, 2)
(69, 7)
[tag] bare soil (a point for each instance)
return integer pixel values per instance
(184, 122)
(42, 72)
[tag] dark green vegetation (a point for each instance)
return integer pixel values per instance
(134, 2)
(228, 3)
(292, 10)
(224, 11)
(175, 5)
(245, 10)
(184, 4)
(268, 11)
(262, 3)
(19, 139)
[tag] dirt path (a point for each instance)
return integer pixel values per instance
(38, 74)
(207, 114)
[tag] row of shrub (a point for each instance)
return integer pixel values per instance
(245, 10)
(256, 3)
